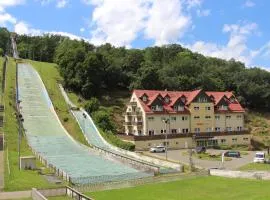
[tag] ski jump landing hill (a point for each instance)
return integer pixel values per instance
(54, 146)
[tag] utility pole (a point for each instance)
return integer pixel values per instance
(166, 121)
(84, 118)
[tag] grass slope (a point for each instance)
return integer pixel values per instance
(256, 167)
(50, 76)
(17, 179)
(210, 188)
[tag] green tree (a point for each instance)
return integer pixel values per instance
(92, 105)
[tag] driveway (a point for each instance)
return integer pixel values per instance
(235, 163)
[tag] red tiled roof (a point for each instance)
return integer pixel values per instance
(190, 95)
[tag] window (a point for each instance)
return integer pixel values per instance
(173, 118)
(196, 108)
(207, 108)
(202, 99)
(207, 117)
(184, 118)
(223, 107)
(217, 129)
(183, 99)
(245, 139)
(151, 132)
(176, 142)
(228, 117)
(223, 141)
(217, 117)
(144, 98)
(149, 144)
(167, 99)
(162, 131)
(164, 143)
(239, 116)
(151, 118)
(185, 130)
(208, 129)
(139, 132)
(234, 140)
(196, 117)
(239, 128)
(229, 128)
(197, 130)
(174, 131)
(178, 108)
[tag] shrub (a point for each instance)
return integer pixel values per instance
(92, 105)
(65, 119)
(114, 140)
(103, 120)
(1, 52)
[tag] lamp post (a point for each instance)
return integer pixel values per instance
(20, 120)
(166, 121)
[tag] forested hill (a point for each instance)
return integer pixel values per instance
(88, 69)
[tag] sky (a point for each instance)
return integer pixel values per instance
(238, 29)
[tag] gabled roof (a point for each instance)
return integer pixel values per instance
(189, 95)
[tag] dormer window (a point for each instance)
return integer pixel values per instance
(144, 98)
(156, 108)
(167, 99)
(178, 108)
(223, 107)
(183, 99)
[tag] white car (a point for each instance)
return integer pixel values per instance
(157, 149)
(259, 157)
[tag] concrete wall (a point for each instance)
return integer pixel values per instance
(240, 174)
(53, 192)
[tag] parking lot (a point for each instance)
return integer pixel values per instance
(183, 157)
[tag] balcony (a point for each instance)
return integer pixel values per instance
(137, 123)
(127, 123)
(133, 113)
(132, 103)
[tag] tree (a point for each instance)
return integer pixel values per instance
(92, 105)
(1, 52)
(266, 142)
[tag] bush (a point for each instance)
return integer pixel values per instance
(65, 119)
(92, 105)
(103, 120)
(1, 52)
(114, 140)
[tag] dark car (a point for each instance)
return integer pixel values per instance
(200, 150)
(235, 154)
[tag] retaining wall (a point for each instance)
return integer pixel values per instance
(264, 175)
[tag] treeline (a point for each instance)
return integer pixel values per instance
(88, 69)
(4, 41)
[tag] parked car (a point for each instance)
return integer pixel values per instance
(200, 150)
(259, 157)
(234, 154)
(157, 149)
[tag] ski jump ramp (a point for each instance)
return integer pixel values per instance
(51, 142)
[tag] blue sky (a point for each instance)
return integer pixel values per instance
(226, 29)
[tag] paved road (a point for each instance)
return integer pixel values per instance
(15, 195)
(235, 163)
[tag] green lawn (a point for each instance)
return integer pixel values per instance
(256, 167)
(50, 76)
(202, 188)
(17, 179)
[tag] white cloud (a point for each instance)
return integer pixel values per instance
(23, 28)
(6, 18)
(166, 25)
(118, 22)
(249, 4)
(192, 3)
(203, 13)
(236, 46)
(61, 3)
(82, 30)
(7, 3)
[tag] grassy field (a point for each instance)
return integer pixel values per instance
(17, 179)
(210, 188)
(51, 77)
(256, 167)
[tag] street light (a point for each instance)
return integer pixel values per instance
(20, 120)
(166, 121)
